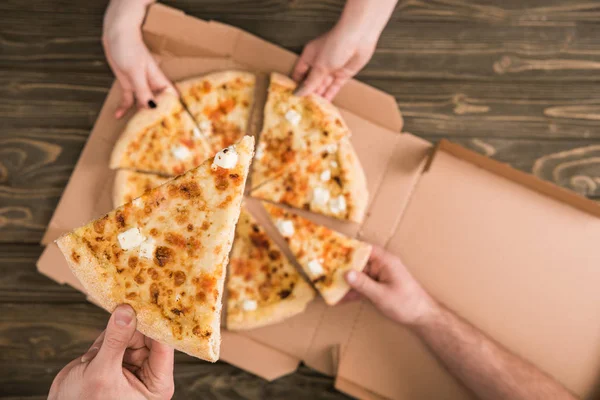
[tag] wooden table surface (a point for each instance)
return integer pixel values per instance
(516, 80)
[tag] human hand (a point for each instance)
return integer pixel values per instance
(121, 364)
(390, 286)
(137, 72)
(330, 60)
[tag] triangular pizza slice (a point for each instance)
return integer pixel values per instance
(331, 184)
(263, 285)
(220, 103)
(163, 140)
(166, 252)
(325, 255)
(293, 128)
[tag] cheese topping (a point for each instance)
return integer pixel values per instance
(334, 164)
(338, 204)
(249, 305)
(226, 158)
(205, 127)
(293, 117)
(331, 148)
(260, 151)
(315, 267)
(147, 248)
(326, 175)
(130, 239)
(138, 202)
(320, 196)
(197, 133)
(285, 227)
(181, 152)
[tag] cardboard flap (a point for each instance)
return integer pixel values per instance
(409, 155)
(253, 357)
(520, 265)
(354, 390)
(532, 182)
(386, 359)
(170, 31)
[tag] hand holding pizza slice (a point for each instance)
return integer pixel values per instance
(166, 252)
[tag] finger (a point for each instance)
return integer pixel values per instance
(300, 69)
(326, 82)
(160, 360)
(143, 94)
(136, 357)
(364, 285)
(313, 81)
(334, 88)
(93, 350)
(352, 295)
(158, 80)
(119, 333)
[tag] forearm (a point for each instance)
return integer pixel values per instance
(366, 17)
(484, 366)
(125, 16)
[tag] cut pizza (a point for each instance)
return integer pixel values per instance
(163, 140)
(263, 286)
(166, 253)
(220, 103)
(132, 184)
(325, 255)
(294, 128)
(333, 184)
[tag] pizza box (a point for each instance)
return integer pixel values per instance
(516, 256)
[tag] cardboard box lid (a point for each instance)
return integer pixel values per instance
(515, 256)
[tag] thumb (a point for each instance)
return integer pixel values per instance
(364, 285)
(119, 332)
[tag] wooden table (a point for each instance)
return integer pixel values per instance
(517, 82)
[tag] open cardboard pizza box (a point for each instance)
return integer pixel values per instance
(517, 257)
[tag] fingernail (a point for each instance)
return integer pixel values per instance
(351, 276)
(151, 104)
(88, 356)
(123, 316)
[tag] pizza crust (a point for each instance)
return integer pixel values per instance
(120, 187)
(355, 181)
(166, 104)
(215, 79)
(273, 313)
(340, 287)
(147, 323)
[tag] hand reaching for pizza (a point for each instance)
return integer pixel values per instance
(329, 61)
(137, 72)
(390, 286)
(121, 364)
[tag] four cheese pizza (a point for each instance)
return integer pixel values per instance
(163, 140)
(332, 184)
(325, 255)
(132, 184)
(294, 128)
(220, 103)
(263, 286)
(166, 252)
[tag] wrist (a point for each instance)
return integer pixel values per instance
(428, 312)
(125, 17)
(365, 19)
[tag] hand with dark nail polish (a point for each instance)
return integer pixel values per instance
(137, 72)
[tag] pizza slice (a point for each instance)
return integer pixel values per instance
(132, 184)
(263, 285)
(332, 184)
(220, 103)
(166, 253)
(293, 128)
(325, 255)
(163, 140)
